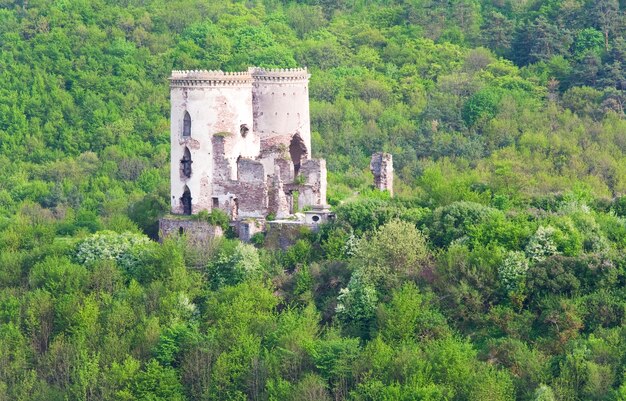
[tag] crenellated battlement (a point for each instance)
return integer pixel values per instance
(279, 74)
(203, 78)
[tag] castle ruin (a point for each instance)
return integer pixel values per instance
(241, 142)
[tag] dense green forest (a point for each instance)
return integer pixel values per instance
(497, 272)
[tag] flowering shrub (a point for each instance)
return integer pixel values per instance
(542, 244)
(127, 249)
(513, 270)
(234, 263)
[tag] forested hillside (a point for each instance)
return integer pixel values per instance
(496, 273)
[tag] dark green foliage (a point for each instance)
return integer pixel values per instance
(454, 222)
(217, 217)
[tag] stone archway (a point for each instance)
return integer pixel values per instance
(185, 163)
(297, 151)
(187, 125)
(186, 201)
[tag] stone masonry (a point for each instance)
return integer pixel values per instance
(241, 142)
(381, 167)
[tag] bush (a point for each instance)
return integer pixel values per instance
(453, 222)
(217, 217)
(234, 262)
(128, 250)
(394, 252)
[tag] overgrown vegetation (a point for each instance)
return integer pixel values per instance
(496, 273)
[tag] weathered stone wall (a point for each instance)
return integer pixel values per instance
(217, 102)
(242, 197)
(286, 169)
(249, 140)
(312, 190)
(247, 228)
(280, 103)
(381, 167)
(250, 170)
(277, 200)
(283, 234)
(197, 232)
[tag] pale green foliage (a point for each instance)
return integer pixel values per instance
(126, 249)
(544, 393)
(513, 270)
(391, 253)
(542, 244)
(357, 302)
(351, 245)
(234, 263)
(310, 388)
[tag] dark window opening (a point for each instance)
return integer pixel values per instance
(292, 201)
(297, 150)
(216, 202)
(243, 129)
(186, 201)
(181, 231)
(315, 218)
(187, 124)
(186, 163)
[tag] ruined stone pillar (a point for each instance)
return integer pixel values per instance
(277, 200)
(381, 167)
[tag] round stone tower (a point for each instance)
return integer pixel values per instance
(205, 104)
(280, 101)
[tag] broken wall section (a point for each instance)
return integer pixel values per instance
(197, 231)
(381, 166)
(310, 185)
(243, 195)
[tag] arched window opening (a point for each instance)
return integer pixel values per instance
(187, 125)
(186, 201)
(185, 163)
(297, 150)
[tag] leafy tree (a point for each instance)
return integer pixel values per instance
(233, 263)
(127, 249)
(410, 316)
(453, 222)
(394, 251)
(157, 383)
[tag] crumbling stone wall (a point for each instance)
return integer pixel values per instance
(197, 232)
(310, 184)
(246, 196)
(277, 199)
(248, 227)
(207, 102)
(241, 142)
(381, 167)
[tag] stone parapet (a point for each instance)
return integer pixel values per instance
(279, 74)
(209, 78)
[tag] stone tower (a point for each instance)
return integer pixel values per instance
(241, 142)
(280, 102)
(206, 104)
